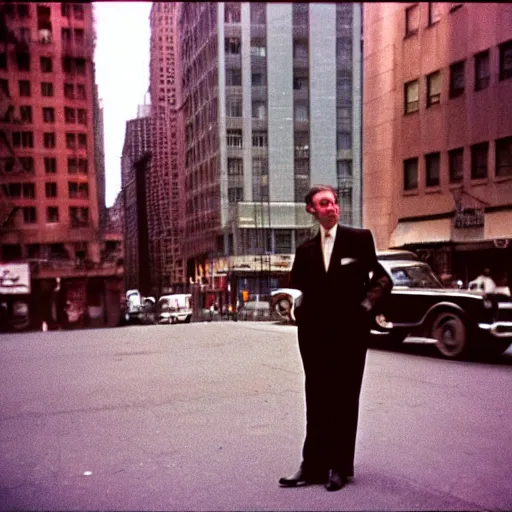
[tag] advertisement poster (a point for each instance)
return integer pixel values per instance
(14, 279)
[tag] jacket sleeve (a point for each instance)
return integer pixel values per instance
(297, 272)
(380, 284)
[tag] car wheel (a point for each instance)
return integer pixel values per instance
(283, 308)
(451, 334)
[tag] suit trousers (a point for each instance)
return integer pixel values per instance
(333, 358)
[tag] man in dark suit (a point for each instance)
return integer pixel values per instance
(341, 283)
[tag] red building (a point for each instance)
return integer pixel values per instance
(50, 168)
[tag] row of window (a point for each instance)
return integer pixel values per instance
(78, 216)
(76, 190)
(412, 15)
(13, 252)
(71, 91)
(25, 139)
(75, 165)
(22, 11)
(45, 36)
(457, 80)
(479, 164)
(24, 63)
(71, 115)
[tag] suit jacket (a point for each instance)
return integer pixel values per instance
(354, 274)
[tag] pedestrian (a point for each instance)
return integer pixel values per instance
(332, 270)
(484, 282)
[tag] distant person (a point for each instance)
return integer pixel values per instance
(332, 270)
(502, 287)
(484, 282)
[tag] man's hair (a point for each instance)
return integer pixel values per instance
(319, 188)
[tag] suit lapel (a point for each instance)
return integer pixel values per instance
(339, 248)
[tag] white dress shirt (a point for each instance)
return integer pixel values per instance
(327, 244)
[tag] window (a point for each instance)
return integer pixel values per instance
(258, 16)
(345, 200)
(301, 145)
(411, 174)
(49, 140)
(64, 9)
(301, 111)
(80, 66)
(48, 115)
(412, 20)
(300, 83)
(432, 166)
(300, 49)
(65, 34)
(83, 166)
(259, 139)
(4, 86)
(24, 86)
(456, 165)
(25, 34)
(22, 139)
(344, 118)
(78, 35)
(234, 138)
(433, 88)
(232, 12)
(46, 64)
(506, 60)
(29, 215)
(259, 110)
(23, 11)
(52, 214)
(482, 72)
(80, 91)
(300, 12)
(3, 60)
(82, 116)
(344, 168)
(259, 188)
(259, 167)
(23, 61)
(234, 107)
(479, 153)
(258, 49)
(457, 79)
(26, 113)
(27, 162)
(79, 216)
(343, 141)
(72, 166)
(14, 190)
(232, 46)
(78, 190)
(283, 241)
(70, 140)
(235, 194)
(258, 79)
(29, 190)
(434, 12)
(50, 188)
(411, 94)
(69, 91)
(82, 140)
(504, 157)
(78, 11)
(69, 115)
(235, 167)
(301, 186)
(301, 166)
(233, 77)
(50, 165)
(46, 89)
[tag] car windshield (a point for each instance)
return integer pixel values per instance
(415, 276)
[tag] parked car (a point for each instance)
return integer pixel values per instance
(256, 308)
(174, 308)
(459, 322)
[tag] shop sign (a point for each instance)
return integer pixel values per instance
(469, 212)
(14, 278)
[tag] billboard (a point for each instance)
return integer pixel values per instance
(14, 278)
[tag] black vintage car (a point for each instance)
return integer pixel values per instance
(459, 322)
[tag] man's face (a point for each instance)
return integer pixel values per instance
(325, 209)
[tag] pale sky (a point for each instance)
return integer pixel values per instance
(122, 75)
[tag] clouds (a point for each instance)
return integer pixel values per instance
(122, 75)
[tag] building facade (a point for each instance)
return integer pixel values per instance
(135, 161)
(48, 158)
(270, 104)
(437, 132)
(165, 198)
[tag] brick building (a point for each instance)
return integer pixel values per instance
(51, 165)
(437, 131)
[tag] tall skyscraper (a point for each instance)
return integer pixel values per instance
(270, 104)
(48, 160)
(164, 185)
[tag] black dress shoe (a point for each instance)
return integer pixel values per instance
(300, 479)
(335, 481)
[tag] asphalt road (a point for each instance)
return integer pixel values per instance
(208, 416)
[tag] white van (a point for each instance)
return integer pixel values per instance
(175, 308)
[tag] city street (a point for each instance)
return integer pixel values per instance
(208, 416)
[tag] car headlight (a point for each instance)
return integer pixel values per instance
(381, 321)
